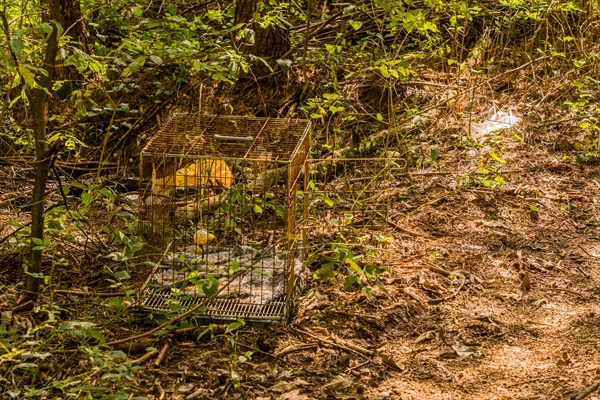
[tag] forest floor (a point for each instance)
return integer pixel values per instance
(491, 291)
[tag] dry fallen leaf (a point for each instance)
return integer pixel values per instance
(293, 395)
(425, 336)
(338, 384)
(390, 362)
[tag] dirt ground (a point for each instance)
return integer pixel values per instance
(490, 292)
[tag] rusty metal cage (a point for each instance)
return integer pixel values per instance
(218, 199)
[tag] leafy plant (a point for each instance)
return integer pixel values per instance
(338, 259)
(236, 359)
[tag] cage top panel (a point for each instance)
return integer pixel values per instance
(229, 137)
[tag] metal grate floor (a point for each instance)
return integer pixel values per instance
(225, 310)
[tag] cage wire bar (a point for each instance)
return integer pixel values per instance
(350, 204)
(218, 194)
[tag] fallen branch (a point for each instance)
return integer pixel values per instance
(396, 226)
(587, 391)
(586, 252)
(365, 317)
(161, 355)
(337, 343)
(23, 306)
(295, 349)
(453, 294)
(144, 358)
(85, 293)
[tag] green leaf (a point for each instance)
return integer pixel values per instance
(355, 24)
(384, 71)
(135, 66)
(235, 267)
(333, 48)
(17, 46)
(137, 12)
(496, 157)
(122, 275)
(46, 27)
(209, 286)
(284, 64)
(327, 200)
(87, 198)
(335, 109)
(350, 281)
(258, 209)
(27, 76)
(156, 59)
(326, 272)
(234, 326)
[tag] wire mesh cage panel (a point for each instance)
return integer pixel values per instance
(350, 208)
(218, 212)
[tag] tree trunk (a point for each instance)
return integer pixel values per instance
(39, 114)
(270, 42)
(73, 24)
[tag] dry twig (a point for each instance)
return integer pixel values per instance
(337, 343)
(144, 358)
(295, 349)
(587, 391)
(161, 355)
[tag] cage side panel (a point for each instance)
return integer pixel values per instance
(221, 218)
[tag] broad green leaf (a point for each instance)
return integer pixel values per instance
(384, 71)
(135, 66)
(235, 267)
(156, 59)
(234, 326)
(46, 27)
(355, 24)
(350, 281)
(86, 198)
(327, 201)
(17, 46)
(27, 76)
(122, 275)
(137, 12)
(209, 286)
